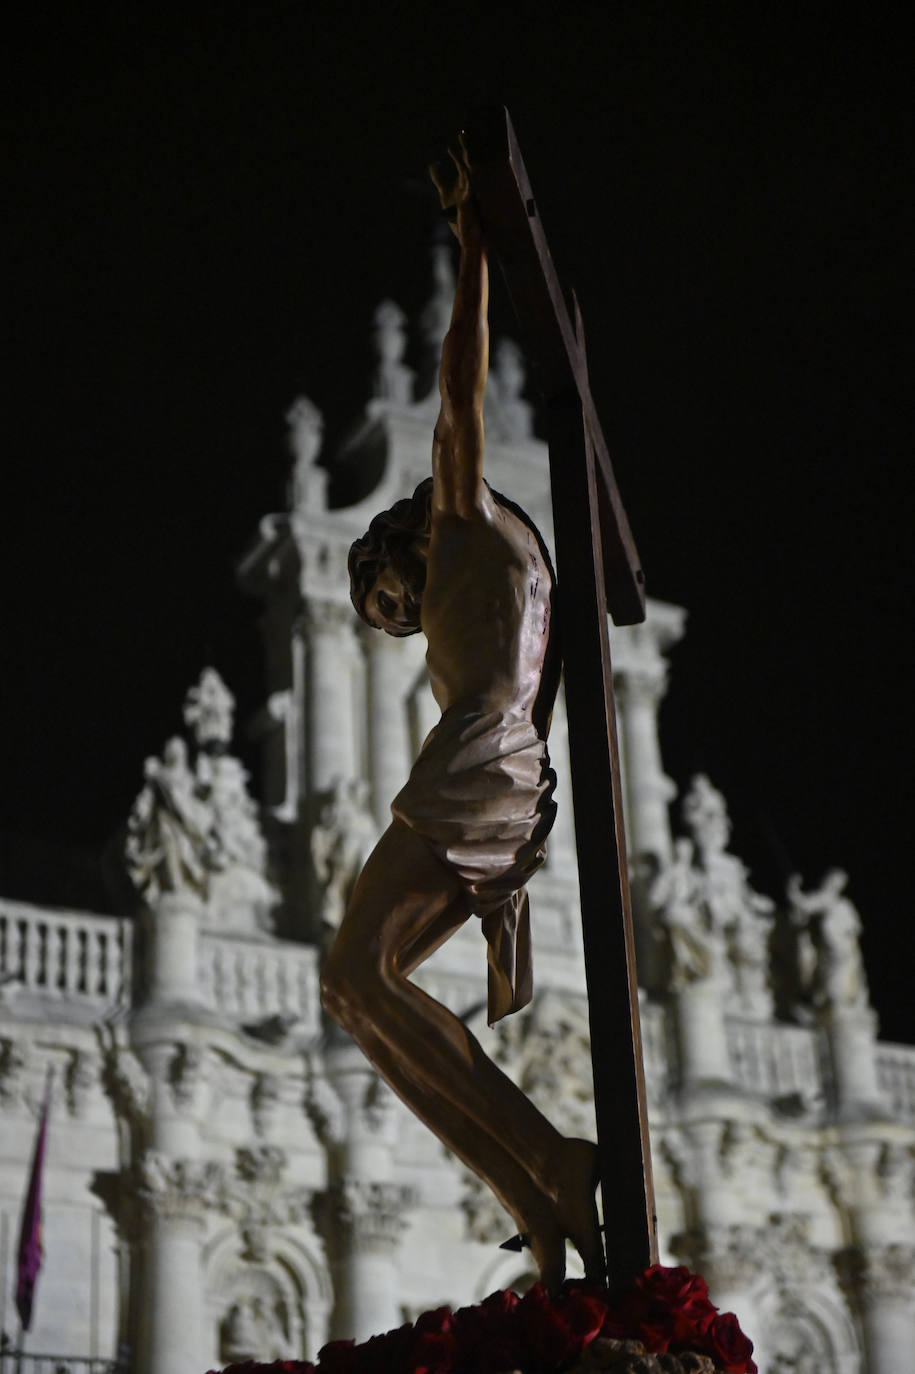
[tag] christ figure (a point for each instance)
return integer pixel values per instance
(467, 568)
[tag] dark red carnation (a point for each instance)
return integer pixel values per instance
(730, 1349)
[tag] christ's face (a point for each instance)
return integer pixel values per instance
(392, 606)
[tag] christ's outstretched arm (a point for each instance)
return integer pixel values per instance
(457, 451)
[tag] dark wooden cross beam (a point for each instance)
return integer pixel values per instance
(598, 570)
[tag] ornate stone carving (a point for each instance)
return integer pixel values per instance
(124, 1079)
(486, 1221)
(787, 1252)
(80, 1077)
(323, 1105)
(830, 970)
(180, 1189)
(797, 1342)
(264, 1100)
(393, 379)
(548, 1054)
(186, 1074)
(263, 1164)
(341, 840)
(879, 1274)
(726, 1256)
(14, 1064)
(371, 1215)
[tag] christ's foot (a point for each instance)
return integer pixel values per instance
(577, 1177)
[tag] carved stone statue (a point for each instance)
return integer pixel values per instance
(196, 828)
(696, 945)
(734, 909)
(340, 842)
(835, 976)
(465, 566)
(168, 831)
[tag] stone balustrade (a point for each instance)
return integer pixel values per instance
(65, 954)
(252, 980)
(896, 1076)
(777, 1060)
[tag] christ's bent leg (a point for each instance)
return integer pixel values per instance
(430, 1058)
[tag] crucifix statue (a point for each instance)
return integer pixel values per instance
(465, 566)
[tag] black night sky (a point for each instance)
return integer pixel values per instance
(207, 205)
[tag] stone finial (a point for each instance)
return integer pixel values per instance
(308, 483)
(510, 417)
(306, 431)
(435, 318)
(209, 708)
(393, 379)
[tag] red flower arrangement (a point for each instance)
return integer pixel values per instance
(667, 1310)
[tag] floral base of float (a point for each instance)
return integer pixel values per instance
(665, 1323)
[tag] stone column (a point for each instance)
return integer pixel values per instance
(886, 1287)
(648, 791)
(369, 1220)
(388, 737)
(364, 1208)
(329, 696)
(174, 1195)
(640, 680)
(852, 1036)
(874, 1173)
(175, 924)
(701, 1034)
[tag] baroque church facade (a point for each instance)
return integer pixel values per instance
(227, 1178)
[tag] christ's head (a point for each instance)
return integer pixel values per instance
(387, 566)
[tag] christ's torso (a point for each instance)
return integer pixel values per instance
(487, 613)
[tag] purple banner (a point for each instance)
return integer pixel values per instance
(30, 1249)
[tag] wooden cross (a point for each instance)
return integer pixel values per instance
(597, 570)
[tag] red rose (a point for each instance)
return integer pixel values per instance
(555, 1332)
(380, 1354)
(583, 1311)
(488, 1335)
(666, 1307)
(338, 1357)
(728, 1346)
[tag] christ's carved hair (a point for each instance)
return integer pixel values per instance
(388, 544)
